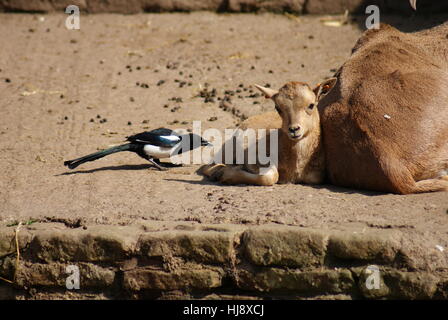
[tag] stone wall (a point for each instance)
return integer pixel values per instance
(293, 6)
(217, 262)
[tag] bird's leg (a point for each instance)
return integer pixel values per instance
(156, 163)
(167, 164)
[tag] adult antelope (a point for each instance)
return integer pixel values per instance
(384, 123)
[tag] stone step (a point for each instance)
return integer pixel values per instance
(199, 261)
(295, 6)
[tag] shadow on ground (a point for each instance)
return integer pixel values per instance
(112, 168)
(399, 14)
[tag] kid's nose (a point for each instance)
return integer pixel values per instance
(294, 129)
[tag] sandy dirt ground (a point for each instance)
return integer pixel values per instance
(65, 93)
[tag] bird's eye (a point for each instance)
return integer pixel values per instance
(311, 106)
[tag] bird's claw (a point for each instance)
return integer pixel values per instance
(156, 164)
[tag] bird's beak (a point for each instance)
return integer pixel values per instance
(205, 143)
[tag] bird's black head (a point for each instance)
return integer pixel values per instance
(191, 141)
(197, 141)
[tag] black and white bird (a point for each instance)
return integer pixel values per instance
(150, 145)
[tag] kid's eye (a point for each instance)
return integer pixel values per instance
(311, 106)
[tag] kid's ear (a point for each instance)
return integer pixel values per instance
(268, 93)
(323, 88)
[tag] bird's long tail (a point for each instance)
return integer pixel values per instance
(72, 164)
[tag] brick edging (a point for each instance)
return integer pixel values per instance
(292, 6)
(129, 262)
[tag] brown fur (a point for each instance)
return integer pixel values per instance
(300, 160)
(385, 123)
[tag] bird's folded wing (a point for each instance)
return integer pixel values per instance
(163, 132)
(161, 137)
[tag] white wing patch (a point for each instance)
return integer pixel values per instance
(171, 138)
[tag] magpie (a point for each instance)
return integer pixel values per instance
(150, 145)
